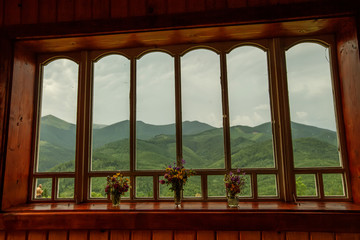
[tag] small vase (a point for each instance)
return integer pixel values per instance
(232, 201)
(177, 197)
(115, 199)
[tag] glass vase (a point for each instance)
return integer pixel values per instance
(177, 197)
(115, 199)
(232, 201)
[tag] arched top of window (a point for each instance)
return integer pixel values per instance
(247, 44)
(199, 48)
(152, 51)
(53, 59)
(109, 54)
(318, 42)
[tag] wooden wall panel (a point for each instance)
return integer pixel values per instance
(250, 235)
(141, 235)
(176, 6)
(78, 235)
(216, 4)
(12, 12)
(348, 236)
(273, 235)
(16, 235)
(157, 7)
(227, 235)
(196, 5)
(322, 236)
(205, 235)
(137, 7)
(297, 236)
(29, 12)
(83, 10)
(99, 235)
(58, 235)
(162, 235)
(65, 10)
(119, 235)
(101, 9)
(1, 12)
(37, 235)
(184, 235)
(119, 8)
(47, 11)
(2, 235)
(236, 3)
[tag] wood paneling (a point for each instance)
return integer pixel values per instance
(78, 235)
(29, 12)
(2, 235)
(162, 235)
(195, 6)
(137, 8)
(119, 235)
(273, 235)
(227, 235)
(297, 236)
(185, 235)
(141, 235)
(119, 8)
(37, 235)
(175, 6)
(12, 12)
(99, 235)
(58, 235)
(18, 235)
(1, 12)
(205, 235)
(250, 235)
(83, 10)
(236, 3)
(156, 7)
(348, 236)
(65, 10)
(47, 11)
(101, 9)
(322, 236)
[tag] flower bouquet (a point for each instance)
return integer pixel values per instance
(234, 184)
(176, 177)
(117, 185)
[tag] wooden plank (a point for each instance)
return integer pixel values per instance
(37, 235)
(58, 235)
(137, 8)
(205, 235)
(101, 9)
(2, 235)
(47, 11)
(227, 235)
(257, 3)
(273, 235)
(216, 4)
(140, 235)
(12, 12)
(83, 10)
(162, 235)
(99, 235)
(16, 235)
(196, 5)
(184, 235)
(176, 6)
(1, 12)
(236, 3)
(65, 10)
(29, 12)
(156, 7)
(119, 8)
(250, 235)
(322, 236)
(119, 235)
(347, 236)
(297, 236)
(78, 235)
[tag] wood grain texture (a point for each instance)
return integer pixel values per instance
(58, 235)
(227, 235)
(236, 3)
(65, 10)
(297, 236)
(1, 12)
(119, 8)
(83, 10)
(162, 235)
(12, 12)
(347, 236)
(2, 235)
(101, 9)
(195, 5)
(270, 235)
(175, 6)
(47, 11)
(78, 235)
(250, 235)
(322, 236)
(205, 235)
(37, 235)
(17, 235)
(137, 7)
(119, 235)
(29, 12)
(140, 235)
(185, 235)
(99, 235)
(156, 7)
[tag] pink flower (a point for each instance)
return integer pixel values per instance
(162, 181)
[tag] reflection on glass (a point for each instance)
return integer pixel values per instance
(66, 187)
(202, 110)
(305, 185)
(155, 111)
(313, 124)
(43, 188)
(267, 185)
(56, 151)
(333, 184)
(144, 187)
(249, 108)
(192, 189)
(110, 145)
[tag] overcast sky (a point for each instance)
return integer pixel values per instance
(308, 81)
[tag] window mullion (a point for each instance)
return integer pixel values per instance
(132, 124)
(177, 67)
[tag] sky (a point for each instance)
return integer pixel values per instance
(309, 87)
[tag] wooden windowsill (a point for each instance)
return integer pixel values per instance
(272, 216)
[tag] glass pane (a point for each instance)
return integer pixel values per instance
(192, 189)
(216, 187)
(164, 191)
(155, 111)
(144, 187)
(249, 108)
(333, 184)
(43, 188)
(247, 191)
(305, 185)
(267, 185)
(110, 146)
(56, 151)
(97, 187)
(313, 124)
(66, 187)
(202, 110)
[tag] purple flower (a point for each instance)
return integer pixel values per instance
(238, 170)
(230, 173)
(162, 181)
(183, 161)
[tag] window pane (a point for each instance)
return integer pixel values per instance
(144, 187)
(43, 188)
(97, 187)
(313, 124)
(247, 192)
(155, 111)
(192, 189)
(202, 110)
(110, 146)
(267, 185)
(56, 151)
(66, 188)
(164, 191)
(333, 184)
(249, 108)
(305, 185)
(216, 187)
